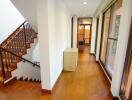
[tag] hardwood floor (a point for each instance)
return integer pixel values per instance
(86, 83)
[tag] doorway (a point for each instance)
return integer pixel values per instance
(84, 33)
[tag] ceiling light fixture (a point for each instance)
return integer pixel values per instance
(85, 3)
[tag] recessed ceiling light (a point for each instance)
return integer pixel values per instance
(85, 3)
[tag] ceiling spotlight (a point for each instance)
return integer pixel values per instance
(85, 3)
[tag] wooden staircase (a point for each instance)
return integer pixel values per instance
(13, 48)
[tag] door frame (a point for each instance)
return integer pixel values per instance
(97, 27)
(72, 23)
(127, 66)
(84, 24)
(104, 64)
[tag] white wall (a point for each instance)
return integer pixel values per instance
(61, 23)
(93, 36)
(121, 46)
(54, 28)
(28, 8)
(26, 70)
(99, 37)
(10, 19)
(33, 53)
(75, 19)
(43, 30)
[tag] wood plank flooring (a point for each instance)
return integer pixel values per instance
(86, 83)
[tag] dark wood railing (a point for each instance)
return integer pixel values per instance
(14, 47)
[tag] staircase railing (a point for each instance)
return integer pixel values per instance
(24, 34)
(12, 49)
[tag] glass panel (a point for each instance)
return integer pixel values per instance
(105, 36)
(115, 19)
(113, 36)
(87, 34)
(111, 52)
(81, 34)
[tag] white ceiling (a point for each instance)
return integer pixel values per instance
(79, 9)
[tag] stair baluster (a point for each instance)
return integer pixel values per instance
(14, 47)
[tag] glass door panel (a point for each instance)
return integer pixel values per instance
(87, 34)
(111, 52)
(113, 36)
(105, 36)
(115, 19)
(81, 35)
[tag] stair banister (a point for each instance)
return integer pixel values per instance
(15, 46)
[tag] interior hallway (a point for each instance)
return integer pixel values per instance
(86, 83)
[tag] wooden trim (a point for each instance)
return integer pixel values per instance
(72, 23)
(115, 98)
(84, 26)
(85, 17)
(50, 91)
(57, 80)
(77, 31)
(46, 91)
(11, 81)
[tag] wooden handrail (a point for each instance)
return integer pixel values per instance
(10, 36)
(12, 49)
(2, 49)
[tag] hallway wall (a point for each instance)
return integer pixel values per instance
(93, 36)
(28, 9)
(54, 27)
(60, 29)
(75, 19)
